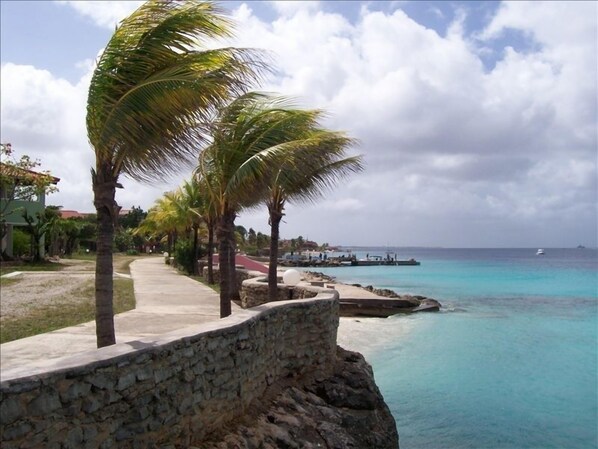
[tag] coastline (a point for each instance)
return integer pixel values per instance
(368, 302)
(367, 335)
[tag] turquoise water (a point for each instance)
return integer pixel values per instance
(510, 363)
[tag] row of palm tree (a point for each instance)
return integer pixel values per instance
(158, 100)
(265, 150)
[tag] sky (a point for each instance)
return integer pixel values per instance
(477, 121)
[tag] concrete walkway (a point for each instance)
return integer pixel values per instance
(165, 301)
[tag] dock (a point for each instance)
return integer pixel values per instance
(360, 302)
(340, 262)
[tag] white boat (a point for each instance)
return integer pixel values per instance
(540, 252)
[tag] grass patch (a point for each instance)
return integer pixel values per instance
(201, 280)
(62, 313)
(122, 262)
(9, 267)
(82, 256)
(5, 282)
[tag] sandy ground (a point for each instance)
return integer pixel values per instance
(31, 290)
(34, 289)
(38, 289)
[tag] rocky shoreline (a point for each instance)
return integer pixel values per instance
(378, 302)
(343, 410)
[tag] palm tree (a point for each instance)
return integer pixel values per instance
(150, 97)
(162, 219)
(316, 161)
(209, 215)
(233, 167)
(194, 205)
(265, 150)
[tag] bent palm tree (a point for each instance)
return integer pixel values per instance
(209, 216)
(193, 200)
(150, 96)
(233, 168)
(314, 163)
(161, 220)
(265, 150)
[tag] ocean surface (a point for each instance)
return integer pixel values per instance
(511, 362)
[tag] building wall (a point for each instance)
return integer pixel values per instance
(175, 389)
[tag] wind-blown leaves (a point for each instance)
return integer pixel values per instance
(266, 150)
(154, 89)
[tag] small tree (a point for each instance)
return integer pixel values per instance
(19, 182)
(37, 227)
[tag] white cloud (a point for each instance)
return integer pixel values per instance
(286, 8)
(343, 204)
(104, 14)
(446, 139)
(44, 117)
(456, 153)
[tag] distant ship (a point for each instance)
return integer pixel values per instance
(540, 252)
(580, 247)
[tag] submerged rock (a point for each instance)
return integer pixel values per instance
(343, 411)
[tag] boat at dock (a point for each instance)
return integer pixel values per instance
(309, 260)
(376, 262)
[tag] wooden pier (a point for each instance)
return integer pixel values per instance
(340, 262)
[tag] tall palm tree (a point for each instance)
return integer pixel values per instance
(233, 167)
(193, 205)
(150, 96)
(316, 160)
(209, 215)
(264, 149)
(162, 219)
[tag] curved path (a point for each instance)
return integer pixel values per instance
(165, 301)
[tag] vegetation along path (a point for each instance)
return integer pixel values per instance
(165, 301)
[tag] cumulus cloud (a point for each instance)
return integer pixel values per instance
(44, 117)
(286, 8)
(104, 14)
(444, 136)
(458, 152)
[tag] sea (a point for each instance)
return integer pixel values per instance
(510, 362)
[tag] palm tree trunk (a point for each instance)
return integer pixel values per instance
(195, 247)
(210, 252)
(106, 208)
(224, 245)
(234, 289)
(275, 218)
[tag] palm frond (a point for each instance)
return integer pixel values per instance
(154, 90)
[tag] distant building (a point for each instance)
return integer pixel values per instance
(309, 244)
(67, 213)
(12, 209)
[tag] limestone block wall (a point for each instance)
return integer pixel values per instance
(254, 292)
(175, 389)
(241, 275)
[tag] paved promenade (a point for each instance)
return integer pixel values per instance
(165, 301)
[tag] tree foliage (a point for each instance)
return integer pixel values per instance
(151, 98)
(20, 180)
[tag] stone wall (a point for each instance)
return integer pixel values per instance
(241, 275)
(172, 390)
(253, 288)
(254, 292)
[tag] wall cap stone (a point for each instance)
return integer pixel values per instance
(89, 361)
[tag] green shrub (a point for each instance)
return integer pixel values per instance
(123, 240)
(132, 252)
(20, 243)
(183, 255)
